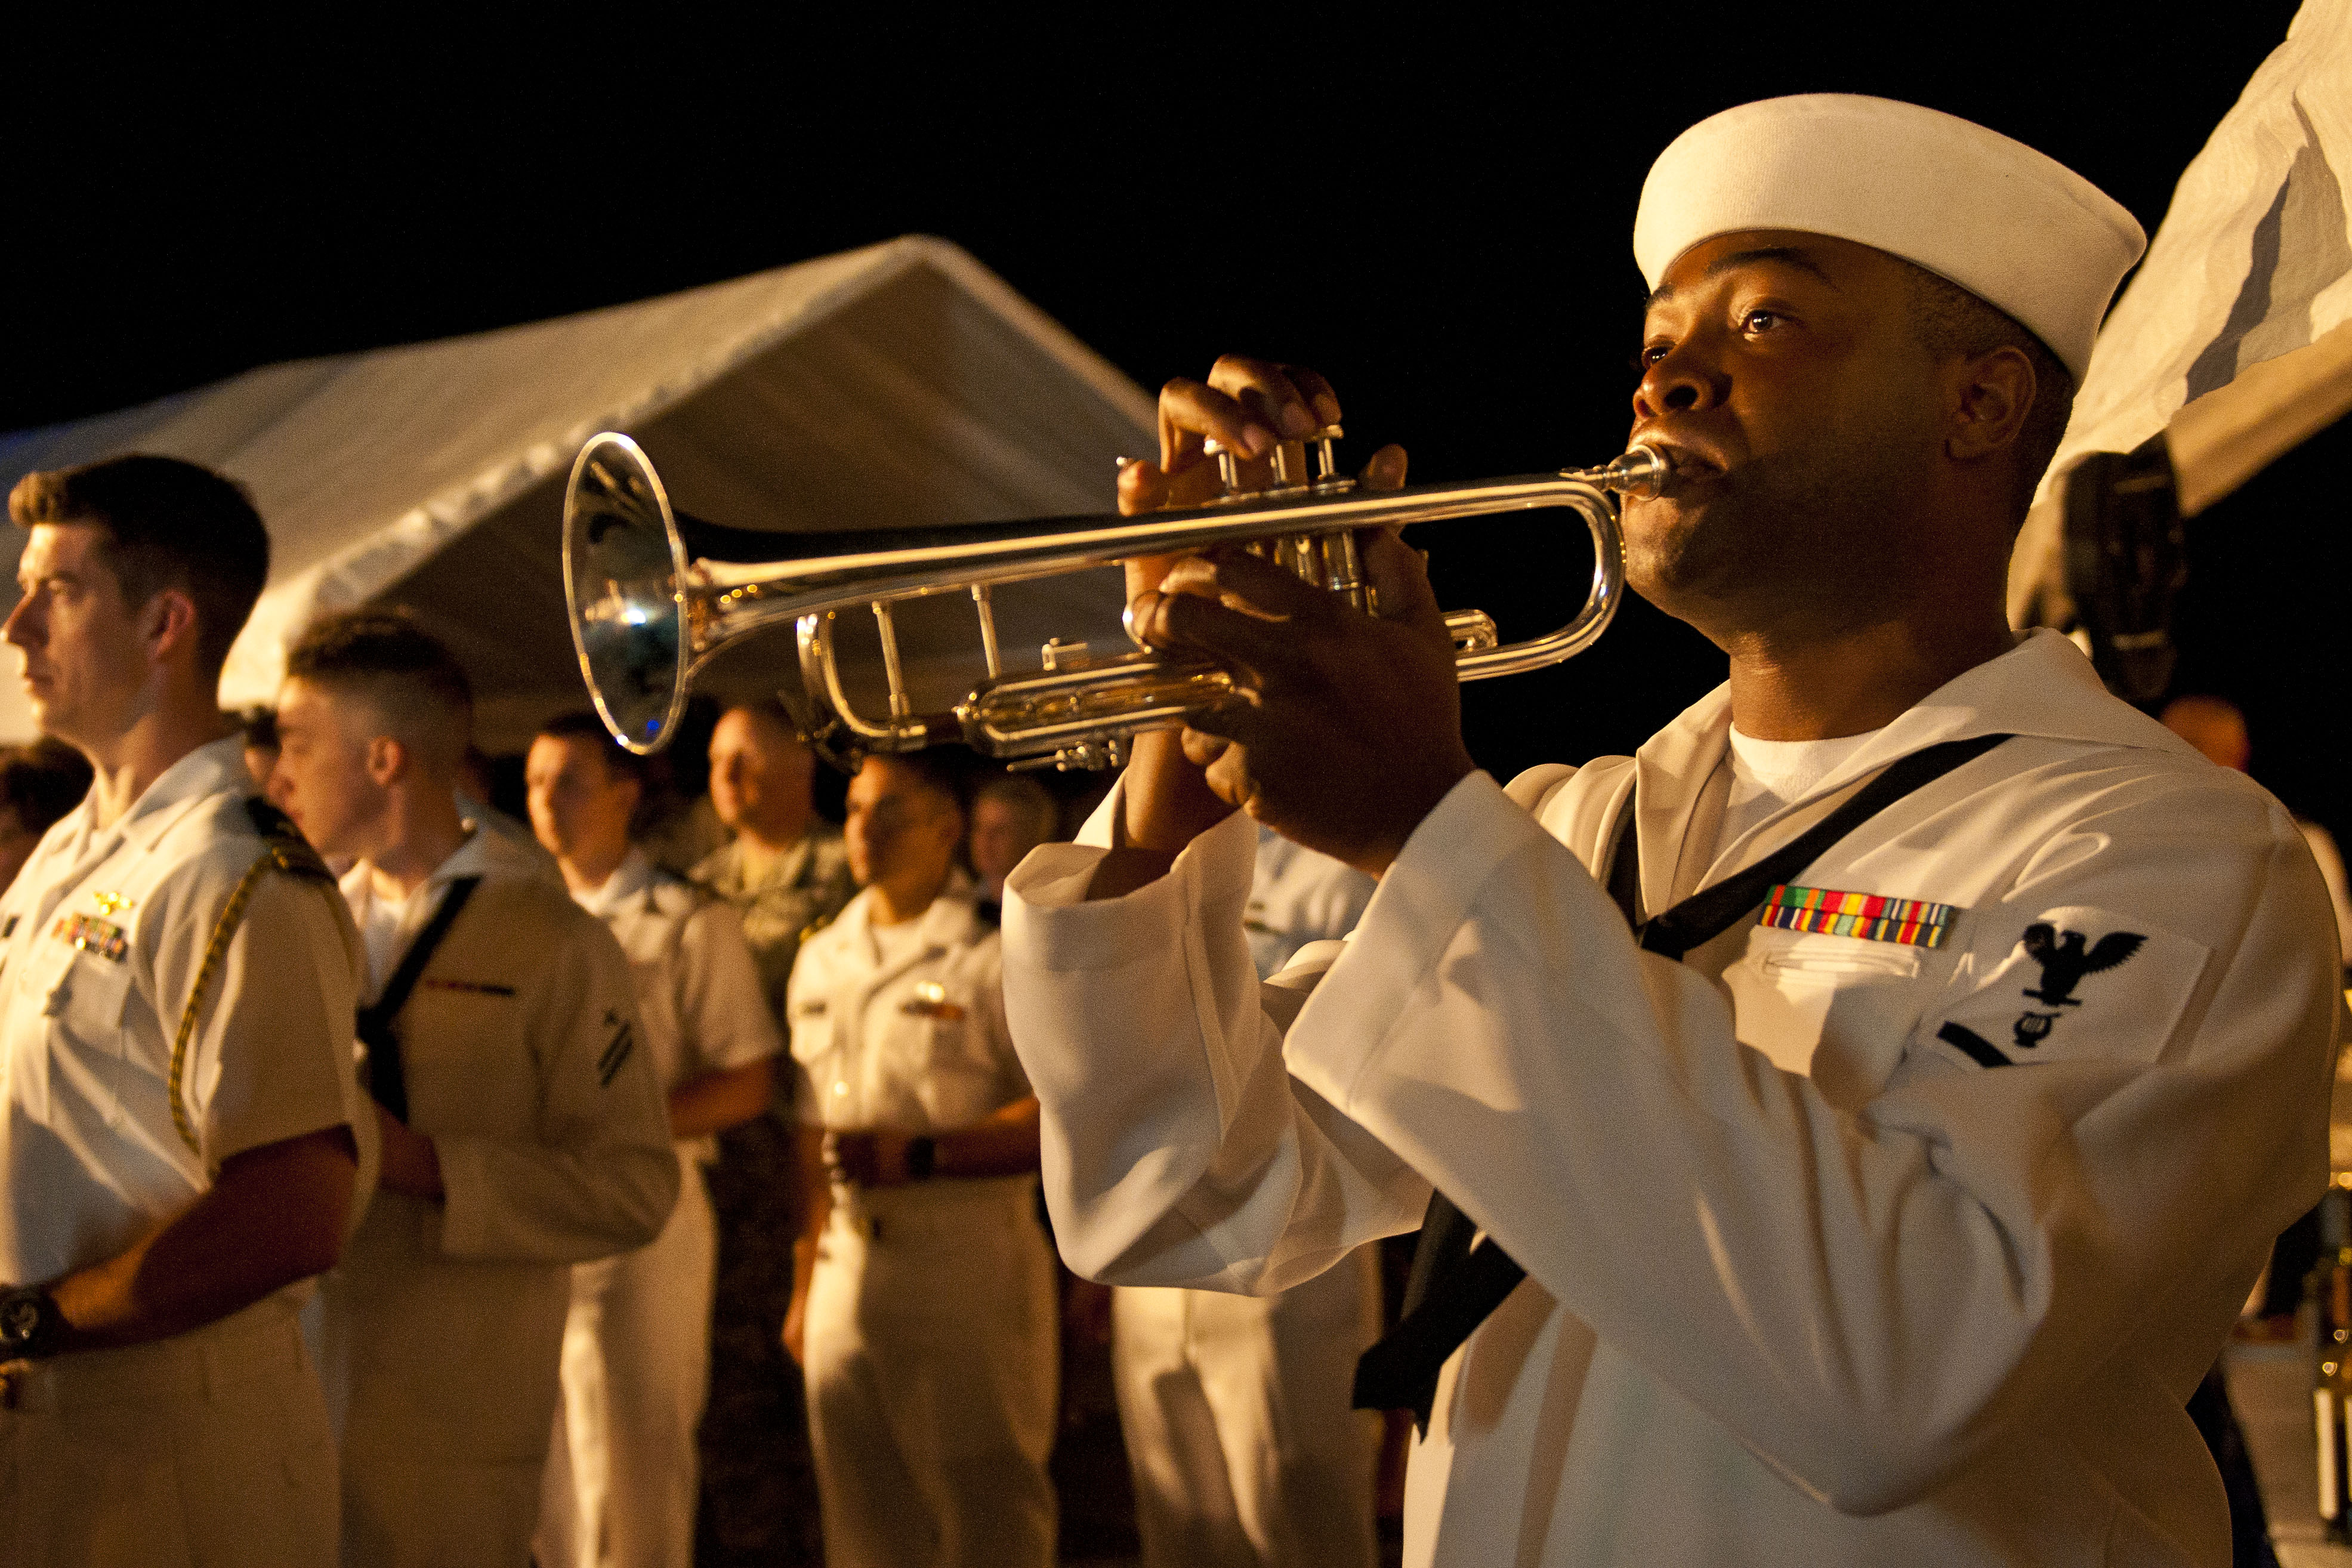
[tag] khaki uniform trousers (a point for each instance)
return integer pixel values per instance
(210, 1449)
(1235, 1411)
(933, 1377)
(622, 1472)
(422, 1512)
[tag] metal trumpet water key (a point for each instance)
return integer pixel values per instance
(654, 594)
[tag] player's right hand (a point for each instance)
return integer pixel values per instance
(1246, 405)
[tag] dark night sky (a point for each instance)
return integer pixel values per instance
(1437, 215)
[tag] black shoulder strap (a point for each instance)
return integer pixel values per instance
(387, 1080)
(1709, 913)
(1625, 871)
(1454, 1285)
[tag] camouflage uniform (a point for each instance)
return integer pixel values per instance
(758, 1481)
(805, 886)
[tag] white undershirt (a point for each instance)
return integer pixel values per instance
(1768, 775)
(386, 927)
(895, 942)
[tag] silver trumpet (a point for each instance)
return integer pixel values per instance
(654, 594)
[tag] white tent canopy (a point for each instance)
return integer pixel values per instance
(896, 385)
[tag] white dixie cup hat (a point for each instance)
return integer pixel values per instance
(2018, 230)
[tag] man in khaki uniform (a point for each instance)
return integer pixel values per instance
(523, 1126)
(923, 1307)
(785, 870)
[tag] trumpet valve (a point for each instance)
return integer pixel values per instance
(1343, 572)
(1229, 467)
(1328, 475)
(1232, 481)
(1286, 464)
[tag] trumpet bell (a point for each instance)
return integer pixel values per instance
(624, 567)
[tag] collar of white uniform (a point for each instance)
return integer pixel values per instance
(484, 854)
(631, 877)
(213, 768)
(2043, 687)
(948, 923)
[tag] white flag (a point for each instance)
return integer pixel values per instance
(2251, 267)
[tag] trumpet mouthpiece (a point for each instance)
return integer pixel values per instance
(1642, 470)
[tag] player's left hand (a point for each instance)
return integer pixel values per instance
(1348, 731)
(868, 1156)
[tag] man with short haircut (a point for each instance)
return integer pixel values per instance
(786, 869)
(176, 987)
(636, 1349)
(923, 1301)
(1842, 1133)
(523, 1125)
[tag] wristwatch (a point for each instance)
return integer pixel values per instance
(29, 1323)
(922, 1153)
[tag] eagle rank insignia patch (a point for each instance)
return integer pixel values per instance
(2076, 982)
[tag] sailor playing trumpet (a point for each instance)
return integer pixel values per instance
(1780, 1241)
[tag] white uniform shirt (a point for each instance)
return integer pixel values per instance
(689, 961)
(915, 1040)
(101, 935)
(1297, 896)
(1809, 1280)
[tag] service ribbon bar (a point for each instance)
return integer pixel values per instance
(1870, 916)
(91, 934)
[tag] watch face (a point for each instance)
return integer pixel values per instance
(18, 1318)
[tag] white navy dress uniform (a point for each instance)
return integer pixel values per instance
(621, 1478)
(931, 1322)
(210, 1448)
(443, 1324)
(1895, 1224)
(1828, 1262)
(1235, 1407)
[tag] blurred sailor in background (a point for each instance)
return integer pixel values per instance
(923, 1305)
(620, 1479)
(38, 784)
(1010, 816)
(523, 1127)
